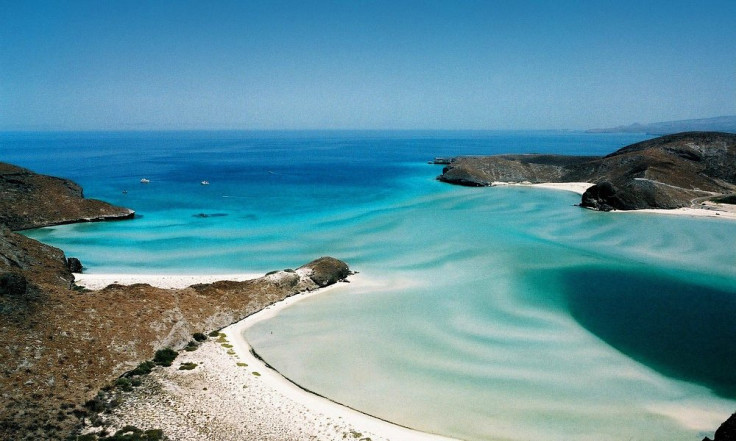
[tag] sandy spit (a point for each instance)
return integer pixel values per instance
(232, 395)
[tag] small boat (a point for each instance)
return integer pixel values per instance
(205, 182)
(145, 181)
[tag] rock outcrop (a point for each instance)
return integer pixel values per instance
(31, 200)
(726, 432)
(671, 171)
(325, 271)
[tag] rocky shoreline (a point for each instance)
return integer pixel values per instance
(31, 200)
(62, 344)
(669, 172)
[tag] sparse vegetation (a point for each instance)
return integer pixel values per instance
(188, 366)
(198, 336)
(124, 384)
(191, 346)
(164, 357)
(730, 199)
(143, 368)
(78, 288)
(214, 333)
(127, 433)
(241, 364)
(256, 374)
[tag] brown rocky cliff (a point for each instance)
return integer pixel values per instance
(667, 172)
(31, 200)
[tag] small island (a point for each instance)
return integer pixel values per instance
(691, 169)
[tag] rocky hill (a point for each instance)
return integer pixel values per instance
(30, 200)
(668, 172)
(61, 344)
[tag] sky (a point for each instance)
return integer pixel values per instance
(300, 65)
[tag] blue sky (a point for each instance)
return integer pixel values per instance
(136, 65)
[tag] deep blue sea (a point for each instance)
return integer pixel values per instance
(479, 313)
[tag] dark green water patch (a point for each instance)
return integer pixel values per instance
(682, 329)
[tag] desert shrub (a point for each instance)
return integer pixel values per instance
(96, 404)
(198, 336)
(214, 333)
(143, 368)
(164, 357)
(191, 346)
(187, 366)
(124, 384)
(154, 435)
(78, 288)
(136, 382)
(730, 199)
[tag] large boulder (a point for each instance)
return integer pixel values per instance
(13, 284)
(726, 432)
(325, 271)
(601, 197)
(74, 265)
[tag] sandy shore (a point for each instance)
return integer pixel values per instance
(705, 209)
(172, 281)
(232, 395)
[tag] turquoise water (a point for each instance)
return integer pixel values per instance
(494, 313)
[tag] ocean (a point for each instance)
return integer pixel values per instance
(502, 313)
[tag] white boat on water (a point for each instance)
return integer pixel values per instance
(145, 181)
(205, 182)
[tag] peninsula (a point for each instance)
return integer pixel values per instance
(31, 200)
(690, 169)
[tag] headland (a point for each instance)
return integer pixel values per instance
(693, 170)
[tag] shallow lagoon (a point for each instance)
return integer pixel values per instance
(485, 318)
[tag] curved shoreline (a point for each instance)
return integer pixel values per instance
(289, 397)
(376, 427)
(707, 209)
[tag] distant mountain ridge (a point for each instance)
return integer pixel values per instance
(716, 124)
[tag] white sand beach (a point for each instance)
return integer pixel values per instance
(232, 395)
(705, 209)
(168, 281)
